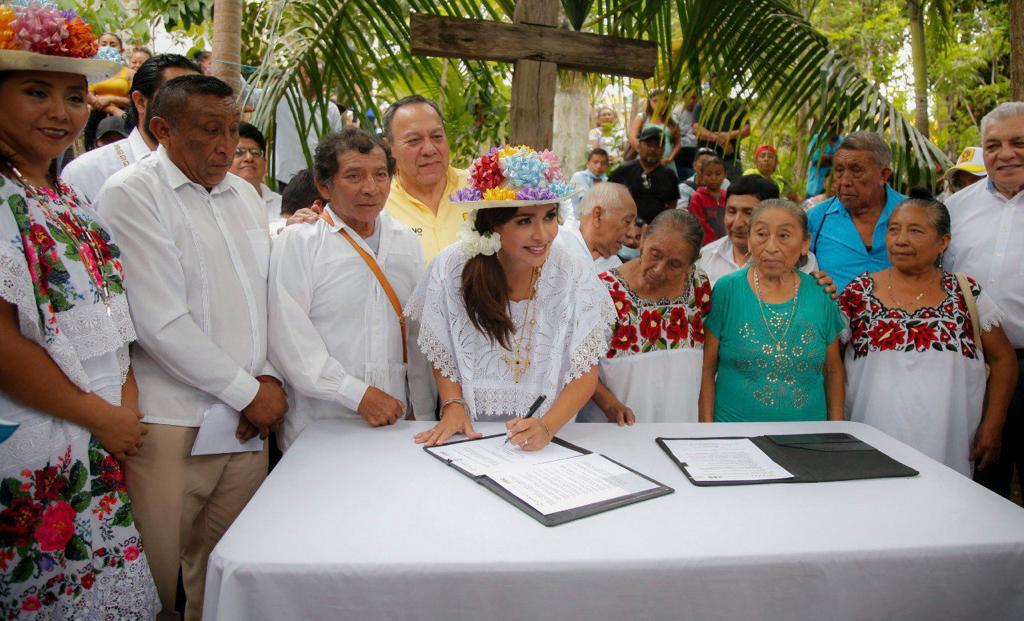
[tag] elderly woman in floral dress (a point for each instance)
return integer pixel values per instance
(68, 401)
(652, 370)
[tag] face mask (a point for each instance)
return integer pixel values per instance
(628, 254)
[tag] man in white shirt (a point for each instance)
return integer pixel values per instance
(87, 172)
(606, 213)
(250, 163)
(730, 253)
(196, 239)
(988, 244)
(335, 332)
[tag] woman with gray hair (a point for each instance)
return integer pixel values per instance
(771, 350)
(917, 341)
(651, 371)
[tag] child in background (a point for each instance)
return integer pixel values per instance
(689, 186)
(597, 165)
(708, 202)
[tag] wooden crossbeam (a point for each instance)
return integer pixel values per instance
(457, 37)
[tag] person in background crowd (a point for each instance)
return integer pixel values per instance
(848, 230)
(654, 187)
(69, 404)
(708, 202)
(414, 129)
(720, 127)
(111, 130)
(688, 187)
(204, 60)
(731, 252)
(608, 211)
(658, 116)
(826, 193)
(683, 115)
(630, 248)
(608, 135)
(301, 194)
(766, 164)
(969, 168)
(196, 238)
(107, 97)
(250, 163)
(771, 340)
(334, 331)
(89, 171)
(597, 165)
(651, 371)
(819, 154)
(493, 310)
(912, 342)
(987, 228)
(139, 55)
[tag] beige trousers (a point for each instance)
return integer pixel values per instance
(183, 505)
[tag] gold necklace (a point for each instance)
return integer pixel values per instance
(780, 341)
(88, 249)
(892, 293)
(519, 362)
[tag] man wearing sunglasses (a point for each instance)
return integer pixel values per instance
(250, 163)
(653, 187)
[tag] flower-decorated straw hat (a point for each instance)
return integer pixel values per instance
(39, 36)
(509, 176)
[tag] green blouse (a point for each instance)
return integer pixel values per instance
(759, 379)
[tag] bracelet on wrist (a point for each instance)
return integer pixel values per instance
(545, 428)
(448, 402)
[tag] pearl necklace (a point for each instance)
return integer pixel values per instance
(780, 341)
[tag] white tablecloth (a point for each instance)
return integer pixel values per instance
(359, 523)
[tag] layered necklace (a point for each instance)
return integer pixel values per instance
(522, 345)
(892, 293)
(89, 251)
(778, 320)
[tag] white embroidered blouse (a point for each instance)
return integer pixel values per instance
(573, 327)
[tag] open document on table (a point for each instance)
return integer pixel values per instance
(783, 458)
(556, 484)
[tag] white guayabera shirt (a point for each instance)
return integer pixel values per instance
(573, 317)
(89, 171)
(333, 331)
(197, 287)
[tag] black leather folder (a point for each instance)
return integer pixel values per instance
(813, 458)
(554, 519)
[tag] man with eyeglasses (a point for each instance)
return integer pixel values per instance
(654, 188)
(250, 163)
(848, 230)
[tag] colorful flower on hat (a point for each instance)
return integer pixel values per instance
(553, 172)
(535, 194)
(485, 172)
(42, 28)
(466, 194)
(523, 169)
(500, 194)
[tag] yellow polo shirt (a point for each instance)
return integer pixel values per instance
(436, 232)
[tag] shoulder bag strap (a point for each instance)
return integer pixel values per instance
(972, 309)
(381, 278)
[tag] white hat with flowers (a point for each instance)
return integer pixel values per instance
(509, 176)
(39, 36)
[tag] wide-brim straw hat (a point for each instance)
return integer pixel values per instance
(94, 69)
(535, 177)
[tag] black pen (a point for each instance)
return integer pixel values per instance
(533, 410)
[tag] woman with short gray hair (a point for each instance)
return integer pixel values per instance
(771, 350)
(651, 371)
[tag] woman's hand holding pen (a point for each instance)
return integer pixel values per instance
(529, 434)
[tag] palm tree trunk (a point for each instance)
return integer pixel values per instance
(1017, 50)
(227, 41)
(920, 60)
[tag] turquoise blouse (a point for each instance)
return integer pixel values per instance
(759, 379)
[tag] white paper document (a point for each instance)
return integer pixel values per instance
(732, 459)
(571, 483)
(490, 454)
(216, 435)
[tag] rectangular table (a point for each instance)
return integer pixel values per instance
(358, 523)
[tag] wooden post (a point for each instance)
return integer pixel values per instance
(534, 83)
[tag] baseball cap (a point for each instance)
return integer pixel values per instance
(114, 124)
(971, 161)
(649, 133)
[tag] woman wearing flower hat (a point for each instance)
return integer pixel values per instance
(506, 316)
(68, 402)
